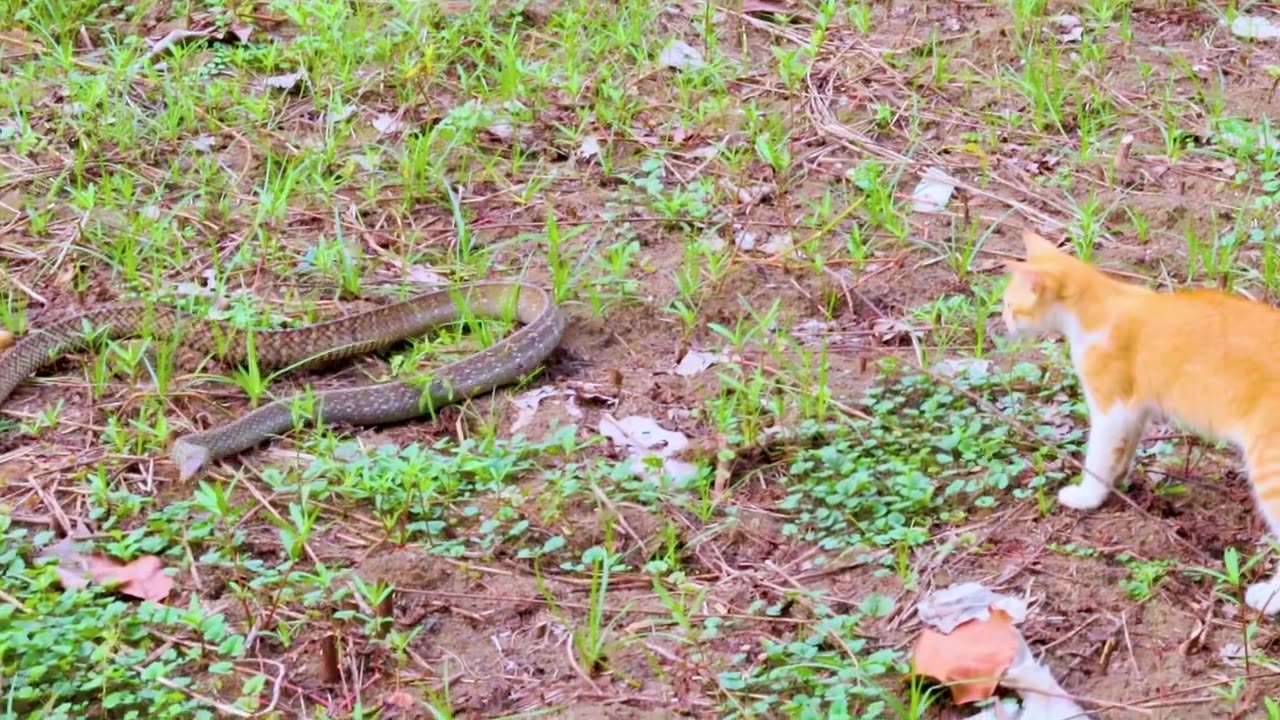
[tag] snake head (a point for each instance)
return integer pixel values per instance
(189, 458)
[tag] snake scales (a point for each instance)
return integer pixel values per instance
(504, 362)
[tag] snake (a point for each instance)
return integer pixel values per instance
(510, 359)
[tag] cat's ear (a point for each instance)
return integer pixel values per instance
(1028, 276)
(1037, 245)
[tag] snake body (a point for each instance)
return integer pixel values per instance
(502, 363)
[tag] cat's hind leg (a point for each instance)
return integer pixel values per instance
(1114, 435)
(1263, 461)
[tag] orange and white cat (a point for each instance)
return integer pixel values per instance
(1205, 358)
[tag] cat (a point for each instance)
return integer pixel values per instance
(1205, 358)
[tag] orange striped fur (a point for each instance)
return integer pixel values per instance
(1208, 359)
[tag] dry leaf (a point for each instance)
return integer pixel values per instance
(423, 275)
(777, 244)
(1254, 27)
(202, 143)
(1004, 710)
(757, 193)
(643, 439)
(387, 124)
(975, 368)
(933, 191)
(695, 361)
(502, 130)
(590, 148)
(1070, 29)
(339, 114)
(175, 37)
(680, 55)
(635, 432)
(143, 578)
(6, 339)
(892, 329)
(238, 31)
(284, 82)
(972, 658)
(527, 404)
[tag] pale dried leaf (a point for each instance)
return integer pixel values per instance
(745, 240)
(947, 608)
(285, 82)
(680, 55)
(590, 148)
(933, 192)
(202, 143)
(424, 275)
(178, 36)
(1070, 28)
(186, 288)
(502, 130)
(696, 361)
(811, 328)
(891, 329)
(239, 32)
(1255, 27)
(636, 432)
(647, 444)
(757, 193)
(6, 338)
(340, 114)
(975, 368)
(1006, 709)
(1043, 698)
(527, 405)
(387, 124)
(777, 244)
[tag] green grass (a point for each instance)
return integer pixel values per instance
(757, 204)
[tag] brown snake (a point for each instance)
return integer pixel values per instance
(506, 361)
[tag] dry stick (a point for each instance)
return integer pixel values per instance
(622, 520)
(573, 663)
(54, 508)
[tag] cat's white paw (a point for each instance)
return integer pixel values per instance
(1087, 495)
(1264, 596)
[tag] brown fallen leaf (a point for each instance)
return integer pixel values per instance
(6, 339)
(971, 659)
(143, 578)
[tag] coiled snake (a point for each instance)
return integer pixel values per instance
(504, 362)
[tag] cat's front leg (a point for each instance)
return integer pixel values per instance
(1113, 441)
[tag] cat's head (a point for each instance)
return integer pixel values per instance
(1032, 301)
